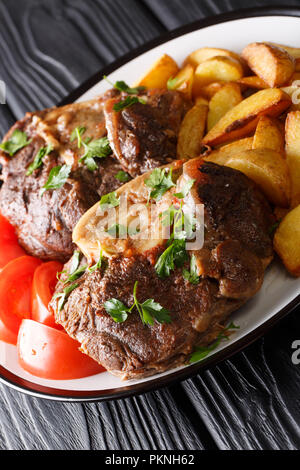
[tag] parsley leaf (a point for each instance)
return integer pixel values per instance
(17, 141)
(148, 310)
(62, 296)
(202, 351)
(38, 159)
(192, 275)
(174, 255)
(57, 178)
(117, 231)
(109, 200)
(160, 181)
(122, 86)
(172, 83)
(129, 101)
(98, 265)
(186, 188)
(117, 310)
(98, 148)
(122, 176)
(77, 133)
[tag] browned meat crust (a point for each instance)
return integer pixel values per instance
(236, 250)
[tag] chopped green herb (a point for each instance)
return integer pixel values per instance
(172, 83)
(77, 133)
(174, 255)
(57, 178)
(185, 190)
(122, 86)
(74, 261)
(148, 310)
(17, 141)
(109, 200)
(192, 274)
(201, 352)
(117, 231)
(38, 159)
(122, 176)
(62, 296)
(129, 101)
(98, 265)
(117, 310)
(159, 181)
(98, 148)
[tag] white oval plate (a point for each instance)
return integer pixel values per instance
(280, 292)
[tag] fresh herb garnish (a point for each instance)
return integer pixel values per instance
(122, 176)
(75, 270)
(98, 265)
(77, 133)
(122, 86)
(185, 190)
(98, 148)
(38, 159)
(62, 296)
(192, 274)
(17, 141)
(201, 352)
(148, 310)
(57, 178)
(120, 231)
(109, 200)
(159, 181)
(128, 101)
(172, 83)
(174, 255)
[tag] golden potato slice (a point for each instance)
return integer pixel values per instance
(183, 81)
(159, 73)
(206, 53)
(221, 154)
(242, 119)
(191, 132)
(292, 148)
(272, 64)
(208, 91)
(141, 225)
(201, 100)
(267, 168)
(268, 135)
(287, 241)
(225, 99)
(252, 82)
(219, 68)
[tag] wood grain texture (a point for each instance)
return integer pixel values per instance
(248, 402)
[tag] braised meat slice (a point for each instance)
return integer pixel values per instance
(231, 263)
(144, 136)
(44, 224)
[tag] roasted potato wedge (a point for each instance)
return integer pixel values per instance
(219, 68)
(292, 148)
(242, 119)
(183, 81)
(268, 135)
(221, 154)
(267, 168)
(252, 82)
(206, 53)
(287, 241)
(191, 132)
(224, 100)
(159, 73)
(208, 91)
(272, 64)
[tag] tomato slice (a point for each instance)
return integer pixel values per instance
(7, 335)
(15, 291)
(9, 246)
(44, 281)
(51, 354)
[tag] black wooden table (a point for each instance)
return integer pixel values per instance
(47, 48)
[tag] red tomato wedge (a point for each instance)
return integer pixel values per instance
(15, 291)
(51, 354)
(9, 246)
(7, 335)
(44, 281)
